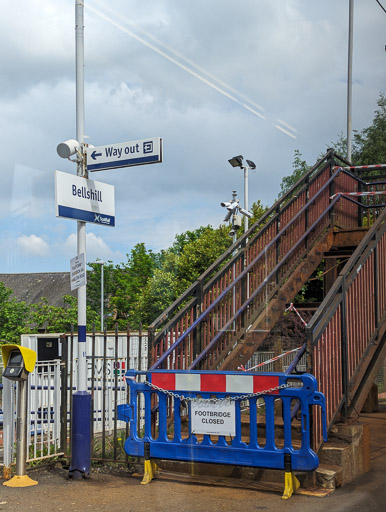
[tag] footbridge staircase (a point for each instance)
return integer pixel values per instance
(333, 213)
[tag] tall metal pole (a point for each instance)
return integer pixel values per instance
(246, 223)
(349, 78)
(102, 294)
(81, 415)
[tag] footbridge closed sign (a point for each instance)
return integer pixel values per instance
(85, 200)
(216, 417)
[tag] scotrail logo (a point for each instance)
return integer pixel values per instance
(102, 220)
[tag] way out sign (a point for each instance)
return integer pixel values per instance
(213, 417)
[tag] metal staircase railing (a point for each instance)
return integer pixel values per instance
(204, 325)
(346, 335)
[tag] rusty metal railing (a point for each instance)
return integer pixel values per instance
(346, 334)
(218, 305)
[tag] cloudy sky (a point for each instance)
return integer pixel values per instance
(213, 78)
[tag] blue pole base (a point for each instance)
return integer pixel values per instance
(80, 436)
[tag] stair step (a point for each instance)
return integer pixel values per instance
(329, 476)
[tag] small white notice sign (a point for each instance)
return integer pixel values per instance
(213, 417)
(78, 271)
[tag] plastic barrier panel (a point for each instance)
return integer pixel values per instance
(223, 417)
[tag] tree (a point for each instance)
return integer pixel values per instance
(300, 167)
(129, 282)
(13, 316)
(199, 254)
(370, 143)
(46, 318)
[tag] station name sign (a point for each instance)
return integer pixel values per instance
(84, 200)
(125, 154)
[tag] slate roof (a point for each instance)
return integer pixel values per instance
(31, 287)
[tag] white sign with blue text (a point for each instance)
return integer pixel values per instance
(126, 154)
(84, 200)
(78, 272)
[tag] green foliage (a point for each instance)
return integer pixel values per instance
(369, 144)
(300, 168)
(199, 254)
(46, 318)
(13, 316)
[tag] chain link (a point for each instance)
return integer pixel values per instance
(215, 399)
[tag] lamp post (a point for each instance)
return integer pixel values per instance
(101, 263)
(237, 161)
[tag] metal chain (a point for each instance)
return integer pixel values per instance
(214, 400)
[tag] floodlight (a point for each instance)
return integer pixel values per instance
(67, 148)
(236, 161)
(251, 164)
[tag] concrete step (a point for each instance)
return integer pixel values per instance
(329, 476)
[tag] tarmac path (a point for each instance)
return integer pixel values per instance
(121, 491)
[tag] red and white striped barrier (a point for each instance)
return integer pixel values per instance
(241, 367)
(215, 382)
(372, 193)
(354, 167)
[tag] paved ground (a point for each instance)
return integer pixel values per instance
(120, 491)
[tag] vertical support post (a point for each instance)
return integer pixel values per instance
(349, 77)
(102, 296)
(277, 245)
(21, 479)
(197, 333)
(81, 419)
(345, 378)
(63, 394)
(376, 287)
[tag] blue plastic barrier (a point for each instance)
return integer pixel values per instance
(188, 387)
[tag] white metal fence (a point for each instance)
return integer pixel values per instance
(50, 407)
(43, 430)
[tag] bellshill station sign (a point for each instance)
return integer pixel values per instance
(85, 200)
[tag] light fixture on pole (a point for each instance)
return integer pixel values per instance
(237, 161)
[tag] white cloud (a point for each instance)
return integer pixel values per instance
(96, 247)
(286, 60)
(33, 245)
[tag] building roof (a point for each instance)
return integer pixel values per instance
(30, 288)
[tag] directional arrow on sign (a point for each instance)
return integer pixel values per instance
(126, 154)
(94, 155)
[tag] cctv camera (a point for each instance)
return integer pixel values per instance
(246, 213)
(226, 203)
(67, 148)
(232, 206)
(227, 216)
(232, 232)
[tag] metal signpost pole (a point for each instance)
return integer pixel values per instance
(81, 415)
